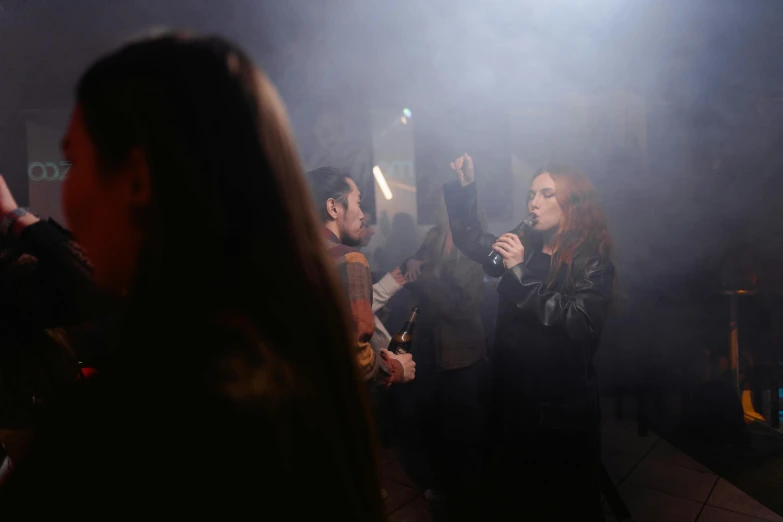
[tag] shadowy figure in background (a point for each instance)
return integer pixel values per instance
(402, 242)
(449, 342)
(385, 287)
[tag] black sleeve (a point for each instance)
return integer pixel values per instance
(581, 312)
(466, 229)
(62, 290)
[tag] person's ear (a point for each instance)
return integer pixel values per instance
(137, 173)
(331, 208)
(137, 186)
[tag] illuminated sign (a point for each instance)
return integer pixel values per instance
(398, 170)
(48, 171)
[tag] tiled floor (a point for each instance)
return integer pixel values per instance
(658, 482)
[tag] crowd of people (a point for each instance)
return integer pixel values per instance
(239, 350)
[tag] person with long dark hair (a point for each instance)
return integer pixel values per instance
(449, 342)
(555, 295)
(232, 383)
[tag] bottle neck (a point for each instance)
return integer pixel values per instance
(410, 322)
(521, 228)
(407, 327)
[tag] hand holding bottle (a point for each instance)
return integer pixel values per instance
(407, 362)
(510, 249)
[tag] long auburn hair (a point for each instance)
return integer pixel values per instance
(231, 229)
(584, 232)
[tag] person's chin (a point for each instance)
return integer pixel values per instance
(354, 242)
(543, 228)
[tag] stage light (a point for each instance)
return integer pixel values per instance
(406, 113)
(376, 170)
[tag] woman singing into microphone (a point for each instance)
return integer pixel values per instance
(554, 298)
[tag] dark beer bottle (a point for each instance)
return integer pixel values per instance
(401, 342)
(493, 264)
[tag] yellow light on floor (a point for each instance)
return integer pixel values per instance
(376, 170)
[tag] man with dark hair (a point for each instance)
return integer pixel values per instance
(338, 203)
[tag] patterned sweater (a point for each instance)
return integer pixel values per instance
(355, 276)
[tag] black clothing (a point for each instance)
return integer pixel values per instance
(48, 307)
(219, 430)
(544, 408)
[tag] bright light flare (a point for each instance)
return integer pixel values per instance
(406, 112)
(381, 180)
(404, 120)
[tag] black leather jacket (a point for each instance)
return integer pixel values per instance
(545, 338)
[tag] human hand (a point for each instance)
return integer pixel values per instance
(398, 277)
(7, 201)
(463, 166)
(412, 269)
(407, 362)
(510, 248)
(8, 204)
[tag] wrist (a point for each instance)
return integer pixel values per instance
(519, 270)
(396, 371)
(398, 276)
(23, 222)
(15, 221)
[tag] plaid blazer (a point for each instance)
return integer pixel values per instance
(354, 273)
